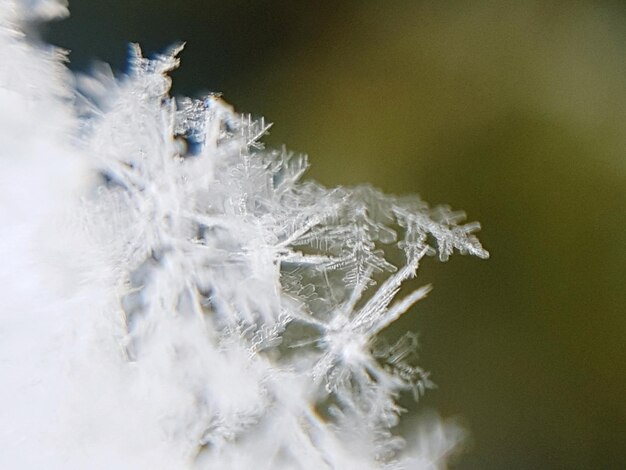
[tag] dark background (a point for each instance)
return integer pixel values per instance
(513, 111)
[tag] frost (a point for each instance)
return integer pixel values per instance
(177, 296)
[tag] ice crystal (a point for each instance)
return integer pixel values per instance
(225, 313)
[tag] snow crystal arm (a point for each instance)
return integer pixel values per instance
(448, 235)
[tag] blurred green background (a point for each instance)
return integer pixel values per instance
(513, 111)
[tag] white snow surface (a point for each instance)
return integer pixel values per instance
(173, 296)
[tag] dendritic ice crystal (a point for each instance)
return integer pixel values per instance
(175, 295)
